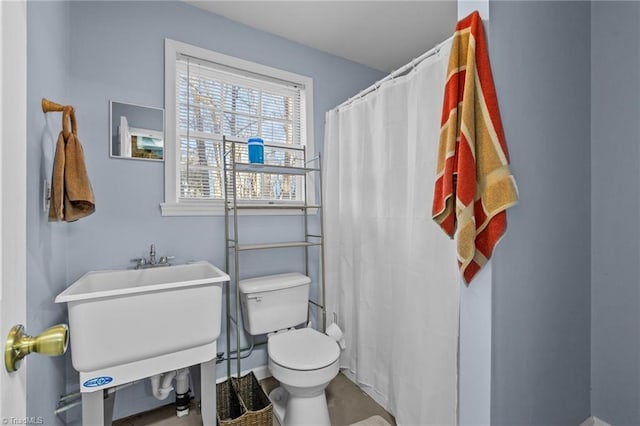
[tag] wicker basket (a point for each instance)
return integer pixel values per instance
(228, 406)
(255, 408)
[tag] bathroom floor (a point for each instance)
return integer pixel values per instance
(347, 404)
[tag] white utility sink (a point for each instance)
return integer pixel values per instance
(125, 316)
(126, 325)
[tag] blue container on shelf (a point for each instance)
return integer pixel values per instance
(256, 150)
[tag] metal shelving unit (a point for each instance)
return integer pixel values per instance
(235, 162)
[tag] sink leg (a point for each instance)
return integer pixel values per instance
(93, 408)
(109, 401)
(208, 392)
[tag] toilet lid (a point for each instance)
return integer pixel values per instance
(303, 349)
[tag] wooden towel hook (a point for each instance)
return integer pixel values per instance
(69, 114)
(50, 106)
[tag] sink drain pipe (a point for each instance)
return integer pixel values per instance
(161, 388)
(182, 392)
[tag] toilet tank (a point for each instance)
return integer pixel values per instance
(274, 302)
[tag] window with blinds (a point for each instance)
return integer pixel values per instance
(217, 95)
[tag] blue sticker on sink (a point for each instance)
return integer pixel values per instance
(97, 381)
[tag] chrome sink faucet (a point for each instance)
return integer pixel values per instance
(142, 263)
(152, 254)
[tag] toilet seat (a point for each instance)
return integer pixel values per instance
(303, 349)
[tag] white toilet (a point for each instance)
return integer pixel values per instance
(303, 360)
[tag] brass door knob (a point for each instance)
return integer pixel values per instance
(53, 341)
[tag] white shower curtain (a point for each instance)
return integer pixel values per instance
(391, 273)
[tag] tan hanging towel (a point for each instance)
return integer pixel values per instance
(56, 204)
(71, 193)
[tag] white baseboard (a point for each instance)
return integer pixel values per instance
(594, 421)
(261, 372)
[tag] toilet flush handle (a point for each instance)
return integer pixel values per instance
(257, 298)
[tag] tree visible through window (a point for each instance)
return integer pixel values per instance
(213, 101)
(209, 95)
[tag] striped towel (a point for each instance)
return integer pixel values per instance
(474, 185)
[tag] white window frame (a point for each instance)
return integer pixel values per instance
(173, 205)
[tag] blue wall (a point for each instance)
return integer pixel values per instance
(615, 209)
(540, 54)
(565, 279)
(48, 76)
(115, 50)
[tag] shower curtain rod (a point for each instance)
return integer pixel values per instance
(375, 86)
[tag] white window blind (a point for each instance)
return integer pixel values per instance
(212, 100)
